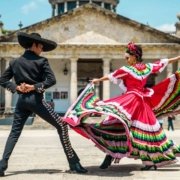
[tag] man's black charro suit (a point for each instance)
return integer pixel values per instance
(34, 70)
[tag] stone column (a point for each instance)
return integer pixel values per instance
(56, 9)
(106, 84)
(65, 6)
(53, 10)
(112, 8)
(102, 4)
(77, 3)
(178, 64)
(169, 69)
(2, 95)
(73, 81)
(8, 96)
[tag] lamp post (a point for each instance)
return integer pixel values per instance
(20, 25)
(65, 71)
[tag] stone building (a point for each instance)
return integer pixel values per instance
(91, 39)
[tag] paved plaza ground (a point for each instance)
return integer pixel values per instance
(39, 156)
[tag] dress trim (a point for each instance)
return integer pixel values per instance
(138, 74)
(168, 92)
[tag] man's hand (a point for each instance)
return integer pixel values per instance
(21, 87)
(25, 88)
(29, 87)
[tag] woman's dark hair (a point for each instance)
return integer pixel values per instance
(135, 50)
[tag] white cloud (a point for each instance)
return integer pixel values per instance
(167, 27)
(29, 7)
(42, 1)
(32, 6)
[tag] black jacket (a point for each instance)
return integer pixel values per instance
(31, 69)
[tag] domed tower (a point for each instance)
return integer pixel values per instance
(62, 6)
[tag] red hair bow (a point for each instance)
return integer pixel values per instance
(131, 46)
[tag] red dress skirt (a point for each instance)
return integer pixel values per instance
(129, 125)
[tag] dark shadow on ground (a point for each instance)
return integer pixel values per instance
(126, 170)
(123, 170)
(35, 171)
(113, 171)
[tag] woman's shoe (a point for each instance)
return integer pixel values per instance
(146, 168)
(107, 162)
(77, 168)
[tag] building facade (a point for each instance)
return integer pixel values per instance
(91, 43)
(63, 6)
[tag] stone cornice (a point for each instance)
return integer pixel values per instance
(13, 44)
(66, 51)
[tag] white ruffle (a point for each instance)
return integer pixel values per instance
(165, 62)
(168, 92)
(146, 127)
(115, 81)
(117, 105)
(112, 78)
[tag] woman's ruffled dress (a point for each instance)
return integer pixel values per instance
(128, 125)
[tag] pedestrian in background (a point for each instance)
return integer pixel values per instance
(171, 118)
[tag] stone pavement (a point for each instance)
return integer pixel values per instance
(39, 156)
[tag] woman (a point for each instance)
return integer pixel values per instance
(131, 128)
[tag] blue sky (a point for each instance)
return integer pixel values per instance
(160, 14)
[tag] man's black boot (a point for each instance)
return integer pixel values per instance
(1, 174)
(76, 167)
(3, 167)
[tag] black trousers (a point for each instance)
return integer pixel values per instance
(34, 103)
(170, 125)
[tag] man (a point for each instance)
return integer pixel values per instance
(171, 118)
(32, 75)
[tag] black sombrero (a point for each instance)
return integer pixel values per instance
(25, 40)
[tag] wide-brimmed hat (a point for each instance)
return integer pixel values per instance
(25, 40)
